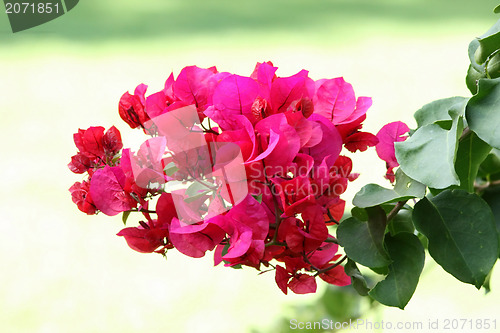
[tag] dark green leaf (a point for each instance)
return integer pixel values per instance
(363, 241)
(125, 216)
(408, 258)
(482, 112)
(402, 222)
(359, 213)
(461, 232)
(357, 279)
(497, 9)
(439, 110)
(492, 198)
(258, 197)
(380, 270)
(373, 194)
(429, 149)
(471, 153)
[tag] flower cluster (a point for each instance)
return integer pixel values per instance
(249, 167)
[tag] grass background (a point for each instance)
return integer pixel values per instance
(61, 271)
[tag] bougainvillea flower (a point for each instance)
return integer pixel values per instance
(360, 141)
(285, 90)
(330, 144)
(336, 276)
(80, 163)
(195, 240)
(145, 238)
(335, 100)
(131, 107)
(107, 191)
(194, 87)
(279, 142)
(112, 141)
(307, 234)
(96, 148)
(295, 194)
(89, 141)
(264, 74)
(234, 95)
(387, 136)
(302, 284)
(81, 197)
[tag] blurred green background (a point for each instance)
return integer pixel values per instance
(62, 271)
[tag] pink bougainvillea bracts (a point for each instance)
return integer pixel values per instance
(250, 167)
(389, 134)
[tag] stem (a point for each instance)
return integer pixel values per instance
(331, 217)
(465, 133)
(331, 240)
(331, 267)
(140, 211)
(306, 259)
(480, 188)
(395, 210)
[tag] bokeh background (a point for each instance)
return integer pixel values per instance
(63, 271)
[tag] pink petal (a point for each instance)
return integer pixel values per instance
(193, 86)
(281, 278)
(106, 189)
(336, 276)
(285, 90)
(360, 141)
(335, 100)
(303, 284)
(390, 133)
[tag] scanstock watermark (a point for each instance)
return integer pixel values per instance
(26, 14)
(435, 324)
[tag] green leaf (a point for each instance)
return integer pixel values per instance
(487, 283)
(439, 110)
(488, 43)
(482, 112)
(493, 66)
(374, 195)
(497, 9)
(492, 198)
(362, 241)
(473, 46)
(258, 197)
(429, 149)
(125, 216)
(407, 254)
(402, 222)
(471, 153)
(473, 76)
(491, 165)
(461, 232)
(357, 279)
(359, 213)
